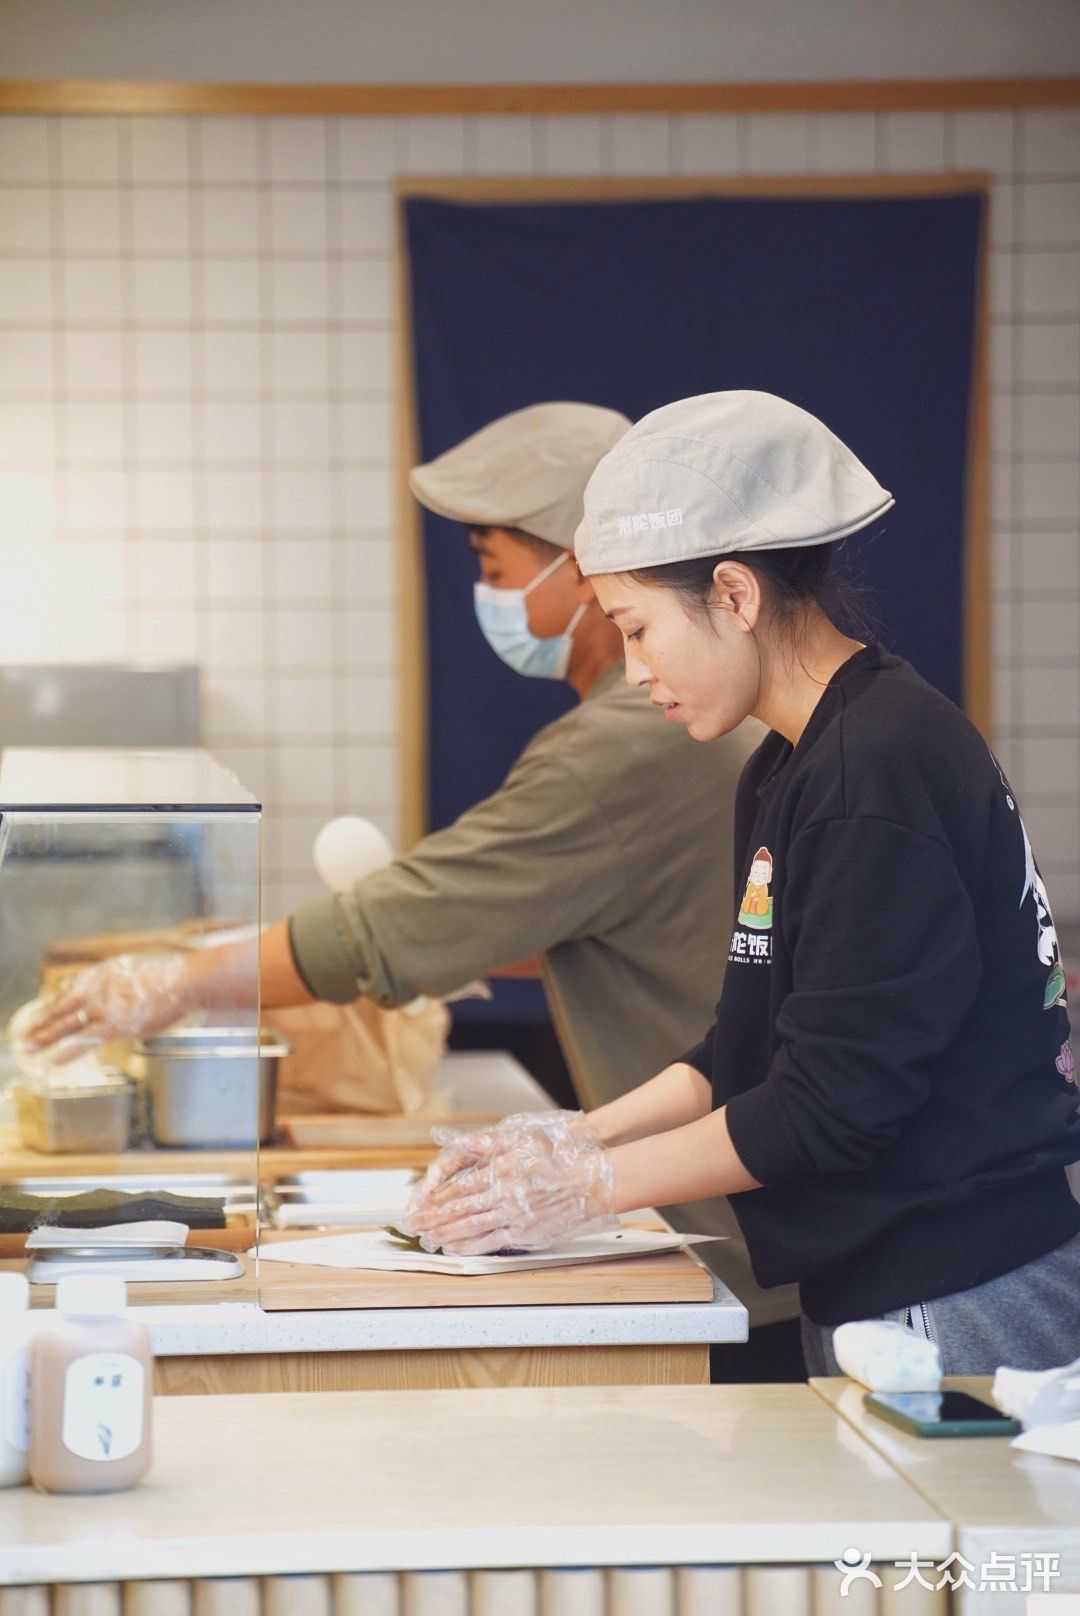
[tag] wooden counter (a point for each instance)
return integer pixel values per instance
(1000, 1500)
(339, 1489)
(463, 1085)
(269, 1164)
(624, 1329)
(643, 1321)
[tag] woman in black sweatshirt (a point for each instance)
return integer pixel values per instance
(887, 1091)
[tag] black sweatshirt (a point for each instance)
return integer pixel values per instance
(891, 1040)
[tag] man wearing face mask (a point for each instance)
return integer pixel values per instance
(627, 909)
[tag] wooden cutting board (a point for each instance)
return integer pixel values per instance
(670, 1277)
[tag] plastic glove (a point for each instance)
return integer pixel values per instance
(541, 1177)
(464, 1147)
(129, 996)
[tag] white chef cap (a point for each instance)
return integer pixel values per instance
(718, 473)
(526, 470)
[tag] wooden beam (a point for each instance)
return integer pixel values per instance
(411, 582)
(121, 96)
(670, 187)
(978, 685)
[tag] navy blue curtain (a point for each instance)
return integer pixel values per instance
(862, 310)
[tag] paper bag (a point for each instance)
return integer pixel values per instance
(358, 1057)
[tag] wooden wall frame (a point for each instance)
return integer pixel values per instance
(412, 693)
(157, 97)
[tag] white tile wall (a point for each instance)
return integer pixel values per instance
(706, 144)
(196, 413)
(572, 145)
(913, 143)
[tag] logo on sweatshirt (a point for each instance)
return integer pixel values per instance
(756, 909)
(751, 941)
(1046, 937)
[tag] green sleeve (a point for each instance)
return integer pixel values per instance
(532, 866)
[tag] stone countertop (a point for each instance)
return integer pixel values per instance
(999, 1498)
(343, 1481)
(192, 1329)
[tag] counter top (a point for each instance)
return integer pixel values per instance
(998, 1497)
(228, 1320)
(414, 1480)
(194, 1329)
(465, 1083)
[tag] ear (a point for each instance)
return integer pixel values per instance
(581, 586)
(737, 589)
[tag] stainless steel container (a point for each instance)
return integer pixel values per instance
(211, 1086)
(61, 1118)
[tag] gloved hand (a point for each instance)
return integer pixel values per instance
(522, 1185)
(462, 1147)
(129, 996)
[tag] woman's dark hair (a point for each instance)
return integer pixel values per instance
(794, 579)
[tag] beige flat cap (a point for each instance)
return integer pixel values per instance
(527, 470)
(722, 472)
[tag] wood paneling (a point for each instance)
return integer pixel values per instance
(433, 1370)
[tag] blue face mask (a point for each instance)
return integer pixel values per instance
(504, 621)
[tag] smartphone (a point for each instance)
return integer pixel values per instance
(940, 1414)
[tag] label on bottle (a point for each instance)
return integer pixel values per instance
(15, 1400)
(103, 1405)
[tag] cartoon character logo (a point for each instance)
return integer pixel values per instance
(1066, 1063)
(756, 910)
(1046, 938)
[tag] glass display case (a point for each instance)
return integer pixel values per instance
(134, 1085)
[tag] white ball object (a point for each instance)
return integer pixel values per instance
(349, 848)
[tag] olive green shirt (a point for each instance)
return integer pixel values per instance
(607, 851)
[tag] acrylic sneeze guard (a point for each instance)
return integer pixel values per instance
(133, 853)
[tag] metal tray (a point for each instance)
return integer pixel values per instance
(72, 1119)
(149, 1264)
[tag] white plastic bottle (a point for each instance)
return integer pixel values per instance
(91, 1374)
(15, 1331)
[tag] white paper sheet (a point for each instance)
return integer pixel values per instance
(1059, 1441)
(376, 1249)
